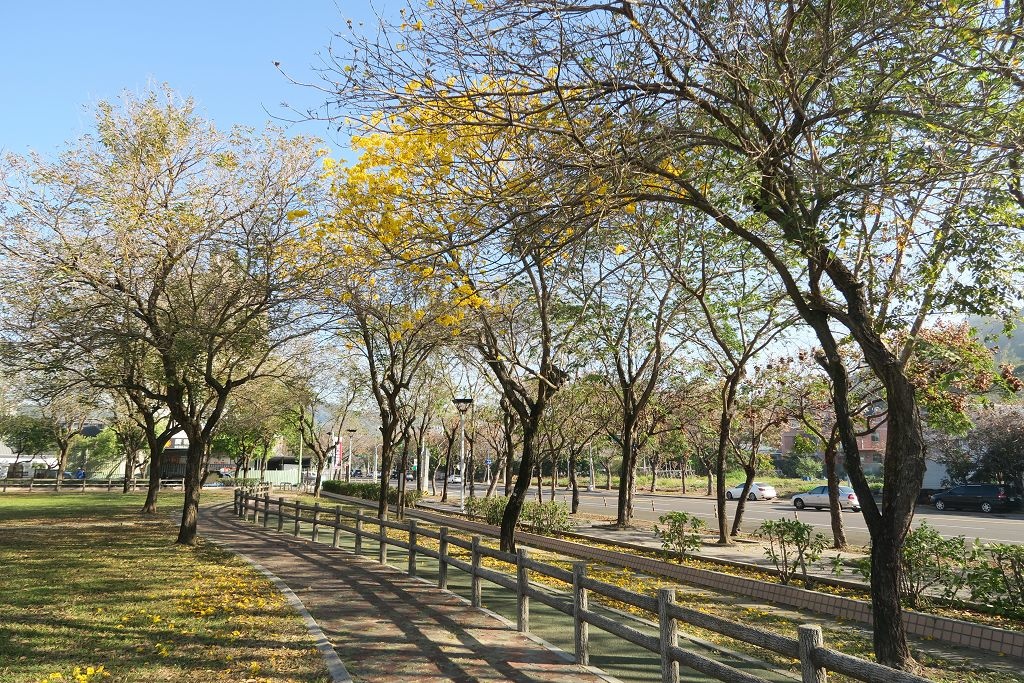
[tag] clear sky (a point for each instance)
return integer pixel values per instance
(59, 57)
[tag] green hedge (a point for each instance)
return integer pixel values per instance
(369, 491)
(543, 518)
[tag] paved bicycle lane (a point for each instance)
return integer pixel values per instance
(387, 626)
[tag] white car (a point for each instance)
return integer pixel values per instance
(758, 491)
(455, 479)
(817, 498)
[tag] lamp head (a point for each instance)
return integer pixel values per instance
(462, 404)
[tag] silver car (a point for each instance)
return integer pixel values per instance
(817, 498)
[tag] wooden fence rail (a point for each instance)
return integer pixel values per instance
(815, 659)
(41, 484)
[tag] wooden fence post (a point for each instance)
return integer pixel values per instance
(442, 559)
(809, 637)
(316, 522)
(581, 629)
(668, 636)
(359, 530)
(522, 591)
(298, 513)
(235, 502)
(280, 513)
(412, 547)
(266, 509)
(255, 509)
(475, 574)
(382, 549)
(337, 526)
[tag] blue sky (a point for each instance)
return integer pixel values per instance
(61, 56)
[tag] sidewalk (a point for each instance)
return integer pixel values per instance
(386, 626)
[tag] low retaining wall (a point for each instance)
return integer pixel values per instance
(952, 631)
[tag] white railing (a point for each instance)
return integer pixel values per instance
(815, 659)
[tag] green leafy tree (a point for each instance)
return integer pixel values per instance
(160, 230)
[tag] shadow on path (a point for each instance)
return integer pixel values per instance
(386, 626)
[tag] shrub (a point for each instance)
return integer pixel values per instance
(369, 491)
(487, 510)
(545, 518)
(930, 562)
(682, 533)
(792, 545)
(996, 576)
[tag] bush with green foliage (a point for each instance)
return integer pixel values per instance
(551, 517)
(996, 576)
(368, 491)
(792, 545)
(489, 509)
(682, 533)
(542, 518)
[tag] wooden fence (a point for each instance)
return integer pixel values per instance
(40, 484)
(815, 659)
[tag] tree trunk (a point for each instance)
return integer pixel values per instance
(627, 475)
(62, 463)
(724, 429)
(654, 475)
(741, 504)
(193, 486)
(129, 470)
(903, 473)
(607, 476)
(540, 489)
(574, 483)
(834, 508)
(682, 474)
(493, 481)
(554, 475)
(518, 495)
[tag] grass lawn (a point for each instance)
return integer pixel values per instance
(85, 581)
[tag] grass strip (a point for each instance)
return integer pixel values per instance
(94, 591)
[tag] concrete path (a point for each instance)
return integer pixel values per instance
(386, 626)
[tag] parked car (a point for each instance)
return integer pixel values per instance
(984, 497)
(758, 491)
(357, 473)
(455, 479)
(817, 498)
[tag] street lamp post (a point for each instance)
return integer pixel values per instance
(348, 465)
(463, 405)
(590, 486)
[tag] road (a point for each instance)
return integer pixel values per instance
(990, 528)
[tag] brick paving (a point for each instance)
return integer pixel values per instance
(386, 626)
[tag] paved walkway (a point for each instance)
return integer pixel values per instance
(386, 626)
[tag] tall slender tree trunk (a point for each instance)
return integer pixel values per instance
(554, 475)
(903, 473)
(156, 443)
(724, 430)
(194, 459)
(573, 482)
(518, 496)
(741, 504)
(627, 473)
(835, 509)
